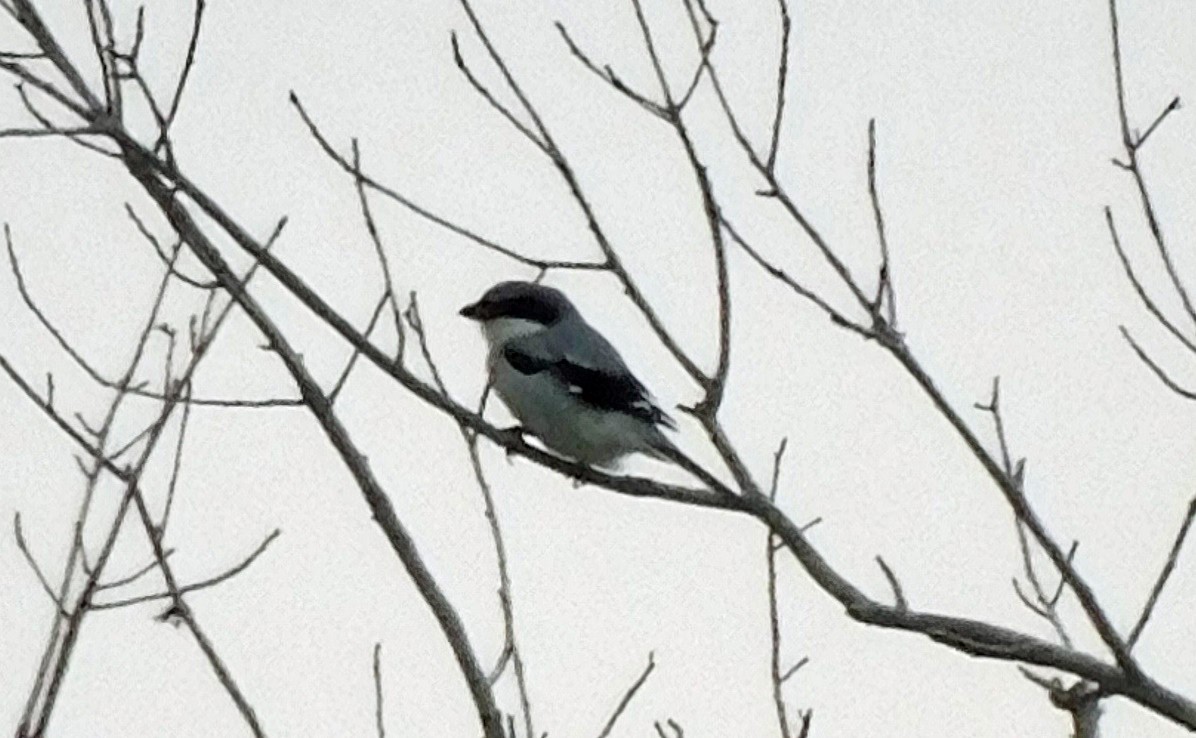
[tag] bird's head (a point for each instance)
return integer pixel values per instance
(525, 301)
(512, 309)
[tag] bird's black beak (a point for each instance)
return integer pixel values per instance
(473, 311)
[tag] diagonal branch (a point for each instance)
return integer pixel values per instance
(1151, 306)
(627, 697)
(1159, 372)
(194, 587)
(1164, 575)
(565, 169)
(142, 167)
(1132, 146)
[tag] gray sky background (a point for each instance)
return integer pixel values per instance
(996, 123)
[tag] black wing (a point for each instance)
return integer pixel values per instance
(617, 392)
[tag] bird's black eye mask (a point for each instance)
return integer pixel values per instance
(520, 307)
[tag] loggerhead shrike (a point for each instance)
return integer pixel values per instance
(563, 381)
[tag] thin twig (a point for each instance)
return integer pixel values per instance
(448, 225)
(794, 669)
(29, 17)
(1131, 149)
(607, 75)
(488, 96)
(145, 167)
(1161, 581)
(129, 579)
(378, 719)
(380, 251)
(64, 631)
(885, 291)
(782, 77)
(157, 247)
(565, 169)
(1045, 607)
(1159, 372)
(177, 462)
(188, 63)
(344, 375)
(1171, 108)
(196, 586)
(774, 621)
(46, 123)
(1151, 306)
(898, 594)
(123, 385)
(673, 725)
(46, 132)
(37, 570)
(511, 652)
(627, 697)
(836, 317)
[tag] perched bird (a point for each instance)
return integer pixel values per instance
(563, 381)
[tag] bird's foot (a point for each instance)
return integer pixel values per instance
(509, 436)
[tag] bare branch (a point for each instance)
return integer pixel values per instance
(794, 669)
(563, 167)
(177, 463)
(49, 89)
(806, 717)
(47, 132)
(884, 288)
(1131, 149)
(28, 17)
(1045, 607)
(607, 75)
(144, 167)
(121, 385)
(898, 594)
(1081, 701)
(37, 570)
(511, 652)
(1159, 372)
(188, 63)
(448, 225)
(500, 666)
(381, 724)
(1143, 295)
(1171, 108)
(376, 239)
(195, 587)
(344, 375)
(129, 579)
(1164, 575)
(779, 274)
(782, 77)
(673, 725)
(102, 44)
(627, 697)
(774, 621)
(488, 96)
(707, 48)
(131, 477)
(162, 255)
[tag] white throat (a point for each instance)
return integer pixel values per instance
(500, 330)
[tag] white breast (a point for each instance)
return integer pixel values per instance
(501, 330)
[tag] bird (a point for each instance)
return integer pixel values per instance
(564, 381)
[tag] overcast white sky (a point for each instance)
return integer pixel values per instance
(996, 123)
